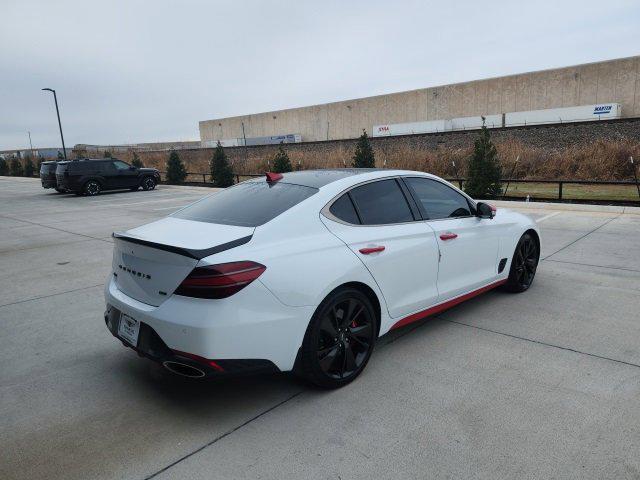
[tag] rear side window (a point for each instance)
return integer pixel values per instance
(437, 199)
(248, 204)
(47, 168)
(344, 210)
(75, 167)
(106, 167)
(87, 166)
(381, 203)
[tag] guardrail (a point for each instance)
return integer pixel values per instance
(619, 191)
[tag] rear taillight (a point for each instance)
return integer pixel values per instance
(219, 281)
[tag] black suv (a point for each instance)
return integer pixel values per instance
(88, 176)
(48, 176)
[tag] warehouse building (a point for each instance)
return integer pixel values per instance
(594, 91)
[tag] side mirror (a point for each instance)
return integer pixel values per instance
(484, 210)
(132, 168)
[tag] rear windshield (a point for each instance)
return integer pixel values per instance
(61, 167)
(248, 204)
(47, 168)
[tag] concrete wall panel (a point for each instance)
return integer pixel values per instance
(554, 89)
(508, 101)
(494, 96)
(570, 87)
(606, 83)
(625, 84)
(588, 84)
(482, 97)
(523, 93)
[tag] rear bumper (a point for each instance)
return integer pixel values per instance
(239, 331)
(151, 346)
(49, 183)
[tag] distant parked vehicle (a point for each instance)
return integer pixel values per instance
(91, 176)
(48, 176)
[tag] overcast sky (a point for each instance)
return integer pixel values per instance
(133, 71)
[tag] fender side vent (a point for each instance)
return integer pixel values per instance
(501, 265)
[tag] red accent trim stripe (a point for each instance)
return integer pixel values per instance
(414, 317)
(199, 359)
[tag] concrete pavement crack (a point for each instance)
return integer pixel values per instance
(52, 295)
(581, 237)
(593, 265)
(539, 342)
(55, 228)
(220, 437)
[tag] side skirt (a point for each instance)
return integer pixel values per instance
(414, 317)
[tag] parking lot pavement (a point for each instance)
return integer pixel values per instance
(545, 384)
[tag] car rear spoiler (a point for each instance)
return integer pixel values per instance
(185, 252)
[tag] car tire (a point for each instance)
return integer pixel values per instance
(523, 265)
(92, 188)
(339, 339)
(148, 183)
(60, 190)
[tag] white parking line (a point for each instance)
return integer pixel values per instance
(125, 196)
(153, 201)
(169, 208)
(548, 216)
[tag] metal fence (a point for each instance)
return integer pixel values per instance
(592, 191)
(599, 190)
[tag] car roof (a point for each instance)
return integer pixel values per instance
(332, 178)
(79, 160)
(320, 178)
(93, 159)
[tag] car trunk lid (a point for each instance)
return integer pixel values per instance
(151, 261)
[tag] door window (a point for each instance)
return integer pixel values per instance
(120, 165)
(380, 203)
(437, 199)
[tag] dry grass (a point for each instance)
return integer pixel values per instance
(595, 160)
(598, 160)
(574, 192)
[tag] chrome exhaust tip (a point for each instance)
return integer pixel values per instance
(183, 369)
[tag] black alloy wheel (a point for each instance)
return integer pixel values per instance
(524, 264)
(148, 183)
(340, 339)
(92, 188)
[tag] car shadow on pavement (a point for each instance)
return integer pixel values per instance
(102, 194)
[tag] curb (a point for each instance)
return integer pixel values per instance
(571, 207)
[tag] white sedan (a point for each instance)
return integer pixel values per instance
(304, 271)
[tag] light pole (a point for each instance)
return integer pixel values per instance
(55, 99)
(30, 144)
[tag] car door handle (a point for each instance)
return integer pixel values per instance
(448, 236)
(370, 250)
